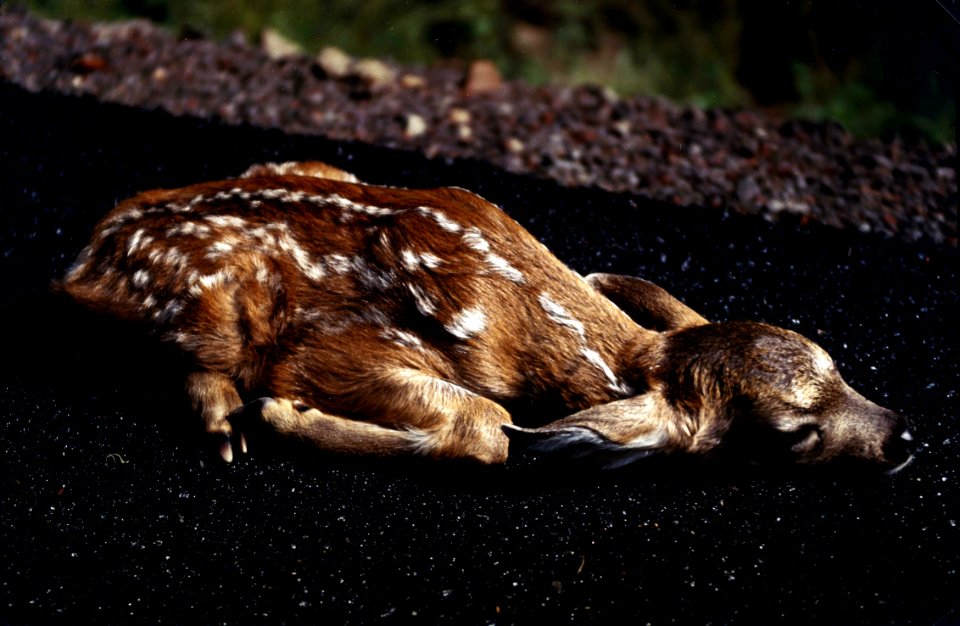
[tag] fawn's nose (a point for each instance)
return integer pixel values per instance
(900, 446)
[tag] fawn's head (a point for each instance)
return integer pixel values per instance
(768, 393)
(733, 388)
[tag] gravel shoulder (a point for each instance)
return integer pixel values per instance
(742, 160)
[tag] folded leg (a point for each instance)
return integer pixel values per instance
(411, 412)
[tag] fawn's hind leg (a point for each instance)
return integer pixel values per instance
(214, 396)
(410, 412)
(331, 432)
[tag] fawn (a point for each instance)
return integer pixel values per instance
(388, 321)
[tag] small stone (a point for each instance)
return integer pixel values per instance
(459, 116)
(334, 62)
(482, 77)
(89, 62)
(374, 72)
(622, 127)
(412, 81)
(416, 126)
(277, 46)
(159, 74)
(464, 132)
(514, 145)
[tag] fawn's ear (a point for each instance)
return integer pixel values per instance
(614, 434)
(647, 304)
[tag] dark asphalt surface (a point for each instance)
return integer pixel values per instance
(112, 510)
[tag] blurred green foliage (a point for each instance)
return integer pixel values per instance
(729, 53)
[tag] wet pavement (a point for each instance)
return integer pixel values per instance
(113, 511)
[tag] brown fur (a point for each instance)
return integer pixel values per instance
(392, 321)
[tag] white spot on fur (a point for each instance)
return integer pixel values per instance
(467, 323)
(226, 221)
(314, 271)
(423, 302)
(339, 263)
(106, 232)
(218, 249)
(210, 281)
(412, 260)
(559, 315)
(440, 218)
(501, 266)
(188, 341)
(402, 337)
(475, 240)
(350, 205)
(430, 261)
(174, 258)
(409, 259)
(141, 278)
(263, 273)
(155, 256)
(135, 241)
(272, 194)
(596, 359)
(195, 201)
(131, 215)
(190, 228)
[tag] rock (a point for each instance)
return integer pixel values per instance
(482, 77)
(375, 73)
(415, 127)
(277, 46)
(334, 62)
(459, 116)
(412, 81)
(514, 145)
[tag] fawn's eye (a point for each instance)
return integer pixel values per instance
(805, 438)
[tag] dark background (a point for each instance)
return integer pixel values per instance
(113, 510)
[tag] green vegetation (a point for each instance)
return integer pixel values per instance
(689, 50)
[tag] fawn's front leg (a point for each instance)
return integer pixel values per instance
(411, 412)
(214, 396)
